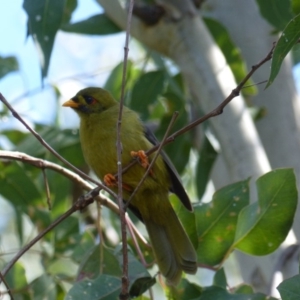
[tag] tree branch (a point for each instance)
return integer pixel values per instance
(125, 280)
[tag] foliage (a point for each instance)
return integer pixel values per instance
(75, 264)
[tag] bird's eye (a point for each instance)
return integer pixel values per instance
(89, 100)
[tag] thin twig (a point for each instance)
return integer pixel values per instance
(8, 290)
(47, 189)
(135, 230)
(101, 245)
(254, 84)
(125, 280)
(80, 204)
(44, 164)
(137, 247)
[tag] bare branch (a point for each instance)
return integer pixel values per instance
(8, 290)
(44, 164)
(125, 280)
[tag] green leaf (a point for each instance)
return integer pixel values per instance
(19, 223)
(68, 10)
(7, 65)
(114, 81)
(290, 288)
(15, 136)
(264, 225)
(204, 166)
(296, 54)
(187, 218)
(96, 25)
(217, 220)
(220, 279)
(21, 190)
(66, 142)
(146, 91)
(44, 287)
(276, 12)
(185, 290)
(139, 278)
(141, 285)
(97, 260)
(243, 289)
(18, 187)
(231, 52)
(40, 216)
(179, 150)
(287, 40)
(64, 234)
(104, 287)
(60, 188)
(44, 20)
(62, 267)
(16, 277)
(85, 243)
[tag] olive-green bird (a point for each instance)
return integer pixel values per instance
(98, 112)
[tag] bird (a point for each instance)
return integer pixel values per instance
(98, 112)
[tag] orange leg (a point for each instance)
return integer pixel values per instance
(143, 159)
(110, 180)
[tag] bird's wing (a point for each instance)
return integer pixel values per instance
(176, 185)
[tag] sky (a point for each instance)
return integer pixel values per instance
(73, 57)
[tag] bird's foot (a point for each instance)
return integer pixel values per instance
(111, 181)
(142, 158)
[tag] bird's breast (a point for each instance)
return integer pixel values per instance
(98, 140)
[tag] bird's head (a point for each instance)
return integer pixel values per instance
(91, 100)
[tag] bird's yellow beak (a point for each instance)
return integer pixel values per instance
(71, 103)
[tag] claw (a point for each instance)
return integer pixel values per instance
(143, 159)
(110, 180)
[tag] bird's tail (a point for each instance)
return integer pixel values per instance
(172, 247)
